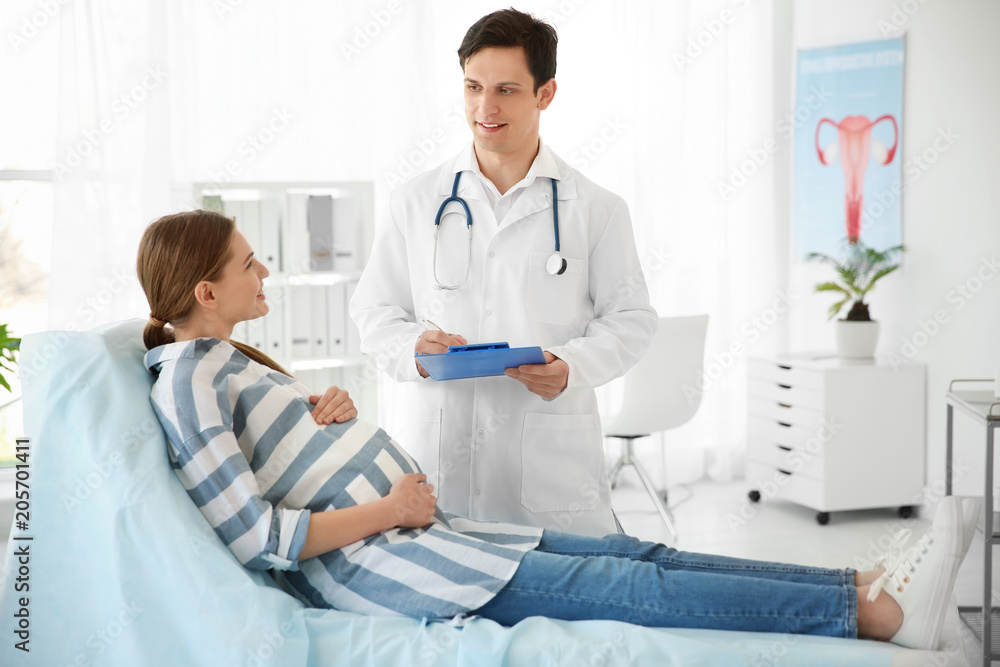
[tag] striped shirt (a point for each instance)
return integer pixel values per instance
(243, 442)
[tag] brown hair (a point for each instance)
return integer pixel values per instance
(175, 254)
(509, 28)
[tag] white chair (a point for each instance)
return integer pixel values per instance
(661, 392)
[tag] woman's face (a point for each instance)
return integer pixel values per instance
(240, 290)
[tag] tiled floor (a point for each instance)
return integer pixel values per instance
(719, 518)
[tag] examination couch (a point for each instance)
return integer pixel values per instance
(124, 569)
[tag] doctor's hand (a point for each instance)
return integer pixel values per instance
(547, 380)
(411, 501)
(435, 342)
(335, 405)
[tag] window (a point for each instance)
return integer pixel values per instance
(27, 159)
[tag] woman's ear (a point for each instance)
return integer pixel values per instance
(204, 294)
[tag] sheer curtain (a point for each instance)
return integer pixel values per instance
(668, 104)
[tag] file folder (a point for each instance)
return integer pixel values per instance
(482, 360)
(302, 325)
(274, 331)
(319, 220)
(345, 234)
(268, 248)
(334, 309)
(352, 337)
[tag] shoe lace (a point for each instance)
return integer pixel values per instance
(899, 564)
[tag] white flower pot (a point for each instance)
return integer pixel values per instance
(856, 340)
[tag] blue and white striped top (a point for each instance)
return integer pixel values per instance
(243, 443)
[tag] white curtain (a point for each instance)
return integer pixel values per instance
(659, 102)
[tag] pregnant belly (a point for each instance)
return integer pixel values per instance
(372, 469)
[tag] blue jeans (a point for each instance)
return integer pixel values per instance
(620, 578)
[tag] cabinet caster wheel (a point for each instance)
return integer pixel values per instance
(906, 512)
(822, 518)
(754, 496)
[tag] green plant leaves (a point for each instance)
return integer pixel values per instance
(858, 273)
(9, 347)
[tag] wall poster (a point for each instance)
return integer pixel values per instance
(847, 183)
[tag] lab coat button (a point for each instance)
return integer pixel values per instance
(478, 491)
(489, 312)
(493, 254)
(482, 431)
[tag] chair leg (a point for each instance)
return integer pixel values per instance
(623, 460)
(651, 490)
(615, 471)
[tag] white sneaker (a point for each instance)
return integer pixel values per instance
(971, 513)
(921, 579)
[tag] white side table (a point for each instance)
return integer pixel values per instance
(833, 434)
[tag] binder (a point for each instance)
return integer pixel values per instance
(268, 248)
(232, 208)
(251, 333)
(345, 234)
(482, 360)
(248, 222)
(300, 337)
(298, 233)
(274, 327)
(320, 310)
(319, 221)
(336, 320)
(352, 337)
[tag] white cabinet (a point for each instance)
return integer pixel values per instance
(314, 238)
(835, 434)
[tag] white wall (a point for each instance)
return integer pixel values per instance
(951, 222)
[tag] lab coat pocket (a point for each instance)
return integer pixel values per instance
(560, 462)
(553, 299)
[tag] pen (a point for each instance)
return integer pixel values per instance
(431, 326)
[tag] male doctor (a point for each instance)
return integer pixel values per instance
(525, 448)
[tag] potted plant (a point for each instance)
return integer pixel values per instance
(857, 333)
(8, 348)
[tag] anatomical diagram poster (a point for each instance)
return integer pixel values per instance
(848, 144)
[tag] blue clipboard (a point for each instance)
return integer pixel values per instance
(483, 360)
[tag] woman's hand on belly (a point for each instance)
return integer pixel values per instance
(335, 405)
(412, 501)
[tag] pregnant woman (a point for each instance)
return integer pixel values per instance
(293, 483)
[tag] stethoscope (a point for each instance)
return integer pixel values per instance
(555, 264)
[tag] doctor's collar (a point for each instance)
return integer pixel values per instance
(543, 166)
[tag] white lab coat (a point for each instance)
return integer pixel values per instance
(493, 449)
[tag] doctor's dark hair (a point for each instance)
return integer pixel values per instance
(509, 28)
(176, 253)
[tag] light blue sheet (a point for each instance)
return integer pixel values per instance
(124, 569)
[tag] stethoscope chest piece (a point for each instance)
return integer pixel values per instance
(555, 264)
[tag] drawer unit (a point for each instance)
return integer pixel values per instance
(773, 483)
(785, 413)
(789, 373)
(792, 449)
(785, 394)
(822, 433)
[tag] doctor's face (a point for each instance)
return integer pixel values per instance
(501, 105)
